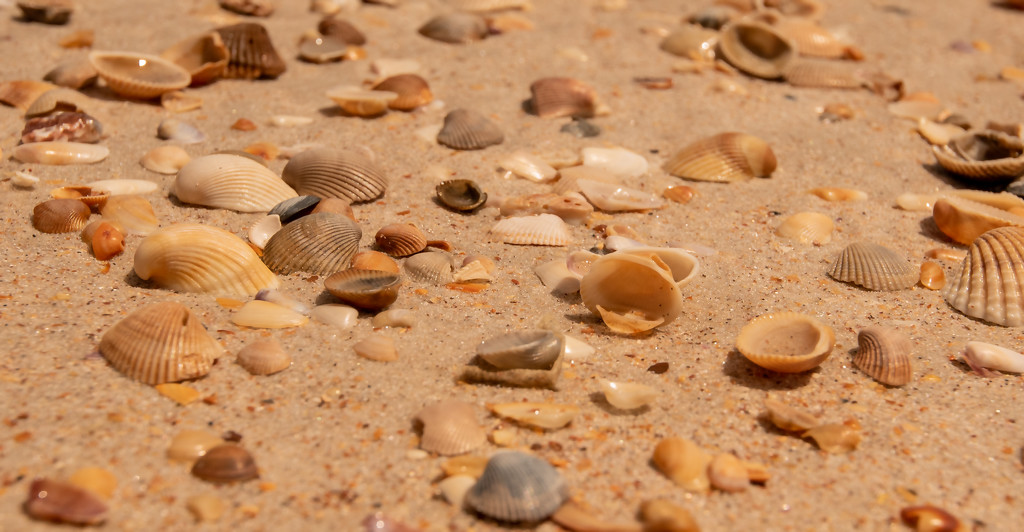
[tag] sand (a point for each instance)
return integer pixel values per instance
(333, 435)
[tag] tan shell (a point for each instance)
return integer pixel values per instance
(884, 354)
(60, 216)
(261, 314)
(21, 93)
(139, 76)
(107, 241)
(431, 267)
(230, 182)
(989, 284)
(756, 49)
(165, 159)
(555, 97)
(536, 230)
(60, 153)
(628, 395)
(133, 213)
(159, 343)
(823, 73)
(374, 260)
(226, 463)
(321, 243)
(450, 428)
(790, 418)
(465, 129)
(358, 101)
(204, 56)
(455, 28)
(692, 42)
(810, 38)
(335, 26)
(520, 373)
(787, 342)
(807, 228)
(839, 194)
(873, 267)
(328, 173)
(400, 239)
(983, 156)
(200, 258)
(58, 100)
(365, 289)
(683, 462)
(376, 347)
(190, 444)
(264, 357)
(547, 416)
(413, 91)
(964, 219)
(252, 54)
(723, 157)
(73, 73)
(631, 293)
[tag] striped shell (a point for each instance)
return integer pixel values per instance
(518, 487)
(264, 357)
(400, 240)
(431, 267)
(159, 343)
(465, 129)
(723, 157)
(823, 73)
(963, 219)
(230, 182)
(450, 428)
(756, 49)
(252, 54)
(460, 194)
(412, 90)
(139, 76)
(873, 267)
(631, 293)
(532, 349)
(328, 173)
(807, 228)
(555, 97)
(60, 216)
(321, 243)
(983, 156)
(989, 283)
(787, 342)
(535, 230)
(200, 258)
(365, 289)
(884, 354)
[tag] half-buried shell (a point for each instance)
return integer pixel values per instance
(723, 157)
(139, 76)
(264, 357)
(989, 283)
(787, 342)
(532, 349)
(518, 487)
(60, 216)
(874, 267)
(366, 289)
(328, 173)
(756, 49)
(536, 230)
(631, 293)
(884, 354)
(321, 243)
(230, 182)
(252, 54)
(823, 73)
(450, 428)
(465, 129)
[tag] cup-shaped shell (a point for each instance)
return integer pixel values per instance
(328, 173)
(455, 28)
(204, 259)
(964, 219)
(251, 53)
(535, 230)
(531, 349)
(226, 463)
(986, 155)
(756, 49)
(874, 267)
(683, 266)
(400, 239)
(989, 284)
(787, 342)
(723, 157)
(518, 487)
(884, 354)
(366, 289)
(321, 243)
(204, 56)
(807, 228)
(555, 97)
(692, 42)
(60, 216)
(413, 91)
(450, 428)
(228, 181)
(431, 267)
(627, 284)
(465, 129)
(460, 194)
(264, 357)
(159, 343)
(139, 76)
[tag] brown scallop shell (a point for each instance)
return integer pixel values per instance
(450, 428)
(555, 97)
(823, 73)
(60, 216)
(226, 463)
(723, 157)
(264, 357)
(989, 284)
(787, 342)
(964, 219)
(983, 156)
(756, 49)
(412, 90)
(460, 194)
(874, 267)
(321, 244)
(204, 56)
(139, 76)
(400, 240)
(431, 267)
(465, 129)
(884, 354)
(160, 343)
(252, 54)
(365, 289)
(328, 173)
(455, 28)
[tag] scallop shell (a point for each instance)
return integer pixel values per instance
(165, 159)
(376, 347)
(357, 101)
(252, 54)
(823, 73)
(532, 349)
(536, 230)
(400, 240)
(460, 194)
(321, 244)
(455, 28)
(413, 91)
(62, 502)
(160, 343)
(204, 56)
(133, 213)
(139, 76)
(614, 198)
(723, 157)
(873, 267)
(989, 284)
(264, 357)
(365, 289)
(450, 428)
(60, 216)
(60, 153)
(518, 487)
(692, 42)
(983, 156)
(884, 354)
(623, 286)
(465, 129)
(328, 173)
(230, 182)
(431, 267)
(963, 219)
(807, 228)
(555, 97)
(756, 49)
(787, 342)
(226, 463)
(683, 462)
(200, 258)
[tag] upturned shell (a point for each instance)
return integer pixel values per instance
(226, 463)
(683, 462)
(133, 213)
(450, 428)
(723, 157)
(631, 293)
(412, 90)
(400, 239)
(465, 129)
(60, 153)
(431, 267)
(460, 194)
(874, 267)
(884, 354)
(823, 73)
(366, 289)
(321, 243)
(983, 156)
(756, 49)
(455, 28)
(787, 342)
(692, 42)
(532, 349)
(61, 502)
(989, 284)
(264, 357)
(807, 228)
(160, 343)
(335, 26)
(139, 76)
(204, 56)
(964, 219)
(328, 173)
(357, 101)
(230, 182)
(555, 97)
(200, 258)
(251, 53)
(536, 230)
(518, 487)
(60, 216)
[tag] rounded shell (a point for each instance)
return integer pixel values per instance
(723, 157)
(366, 289)
(203, 56)
(982, 156)
(518, 487)
(139, 76)
(264, 357)
(756, 49)
(230, 182)
(460, 194)
(632, 293)
(691, 41)
(683, 266)
(807, 228)
(251, 53)
(328, 173)
(455, 28)
(431, 267)
(963, 219)
(535, 230)
(555, 97)
(787, 342)
(465, 129)
(60, 215)
(823, 73)
(412, 90)
(989, 284)
(873, 267)
(226, 463)
(533, 349)
(321, 243)
(450, 428)
(400, 240)
(358, 101)
(884, 354)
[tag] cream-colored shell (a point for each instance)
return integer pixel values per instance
(807, 228)
(884, 354)
(132, 212)
(723, 157)
(989, 284)
(60, 153)
(228, 181)
(264, 357)
(621, 286)
(963, 219)
(874, 267)
(266, 315)
(535, 230)
(450, 428)
(756, 49)
(377, 347)
(613, 197)
(823, 73)
(787, 342)
(431, 267)
(139, 76)
(548, 416)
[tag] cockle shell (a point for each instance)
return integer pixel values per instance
(431, 267)
(989, 284)
(264, 357)
(518, 487)
(983, 156)
(963, 219)
(884, 354)
(823, 73)
(321, 243)
(62, 502)
(723, 157)
(60, 153)
(548, 416)
(691, 41)
(132, 212)
(613, 198)
(536, 230)
(226, 463)
(159, 343)
(60, 216)
(756, 49)
(529, 349)
(555, 97)
(683, 462)
(328, 173)
(204, 56)
(139, 76)
(450, 428)
(412, 90)
(455, 28)
(251, 53)
(400, 239)
(465, 129)
(460, 194)
(230, 182)
(807, 228)
(874, 267)
(200, 258)
(627, 395)
(366, 289)
(983, 358)
(631, 293)
(787, 342)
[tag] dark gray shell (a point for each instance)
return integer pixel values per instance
(874, 267)
(321, 243)
(469, 130)
(252, 54)
(533, 349)
(518, 487)
(328, 173)
(292, 209)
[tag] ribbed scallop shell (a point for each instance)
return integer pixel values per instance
(629, 285)
(252, 54)
(963, 219)
(989, 284)
(366, 289)
(60, 216)
(983, 156)
(535, 230)
(884, 354)
(533, 349)
(400, 240)
(413, 91)
(555, 97)
(756, 49)
(450, 428)
(139, 76)
(230, 182)
(518, 487)
(787, 342)
(873, 267)
(431, 267)
(328, 173)
(465, 129)
(200, 258)
(159, 343)
(823, 73)
(807, 228)
(455, 28)
(321, 243)
(723, 157)
(264, 357)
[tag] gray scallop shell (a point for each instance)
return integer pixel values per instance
(884, 354)
(328, 173)
(321, 243)
(252, 54)
(873, 267)
(465, 129)
(990, 281)
(532, 349)
(431, 267)
(518, 487)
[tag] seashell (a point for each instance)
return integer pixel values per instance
(474, 271)
(938, 134)
(484, 6)
(723, 157)
(58, 100)
(618, 162)
(884, 354)
(932, 276)
(395, 318)
(450, 428)
(811, 39)
(691, 41)
(292, 209)
(400, 240)
(823, 73)
(983, 156)
(455, 28)
(622, 286)
(662, 515)
(873, 267)
(266, 315)
(454, 488)
(340, 316)
(518, 487)
(917, 110)
(571, 207)
(557, 276)
(928, 517)
(251, 53)
(806, 9)
(807, 228)
(460, 194)
(94, 199)
(60, 153)
(179, 131)
(535, 230)
(60, 502)
(787, 342)
(60, 216)
(122, 187)
(160, 343)
(206, 508)
(529, 167)
(188, 445)
(556, 97)
(836, 437)
(55, 12)
(261, 231)
(203, 259)
(431, 267)
(727, 473)
(230, 182)
(282, 299)
(839, 194)
(67, 127)
(683, 266)
(321, 244)
(226, 463)
(376, 347)
(253, 8)
(614, 198)
(72, 74)
(983, 358)
(336, 206)
(789, 418)
(328, 173)
(756, 49)
(988, 284)
(683, 462)
(334, 26)
(679, 194)
(107, 241)
(357, 101)
(264, 357)
(203, 56)
(375, 260)
(132, 213)
(165, 159)
(365, 289)
(547, 416)
(530, 349)
(95, 480)
(465, 129)
(21, 94)
(412, 90)
(964, 220)
(139, 76)
(628, 395)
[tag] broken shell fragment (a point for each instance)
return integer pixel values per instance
(884, 354)
(450, 428)
(66, 127)
(984, 357)
(631, 293)
(683, 462)
(518, 487)
(727, 473)
(190, 444)
(321, 243)
(571, 207)
(628, 395)
(60, 153)
(230, 182)
(529, 349)
(400, 239)
(58, 100)
(266, 315)
(365, 289)
(376, 347)
(455, 28)
(873, 267)
(60, 216)
(133, 213)
(963, 219)
(61, 502)
(683, 266)
(756, 49)
(251, 53)
(790, 418)
(357, 101)
(614, 198)
(460, 194)
(203, 56)
(399, 317)
(465, 129)
(547, 416)
(787, 342)
(165, 159)
(226, 463)
(264, 357)
(412, 90)
(807, 228)
(723, 157)
(139, 76)
(933, 277)
(536, 230)
(983, 156)
(836, 437)
(529, 167)
(328, 173)
(838, 194)
(556, 97)
(988, 284)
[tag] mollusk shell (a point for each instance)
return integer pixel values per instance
(357, 101)
(260, 314)
(264, 357)
(555, 97)
(450, 428)
(823, 73)
(532, 349)
(723, 157)
(400, 239)
(884, 354)
(432, 267)
(226, 463)
(627, 395)
(159, 343)
(63, 502)
(536, 230)
(612, 198)
(548, 416)
(627, 286)
(989, 284)
(518, 487)
(683, 462)
(460, 194)
(787, 342)
(321, 243)
(873, 267)
(328, 173)
(983, 156)
(60, 153)
(692, 42)
(366, 289)
(756, 49)
(132, 212)
(376, 347)
(58, 100)
(292, 209)
(22, 93)
(139, 76)
(412, 90)
(230, 182)
(571, 207)
(963, 219)
(682, 265)
(67, 127)
(983, 357)
(203, 56)
(60, 216)
(455, 28)
(465, 129)
(252, 54)
(165, 159)
(807, 228)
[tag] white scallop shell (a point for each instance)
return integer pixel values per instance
(989, 283)
(536, 230)
(231, 182)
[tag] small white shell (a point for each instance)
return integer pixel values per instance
(60, 153)
(529, 167)
(983, 357)
(341, 316)
(266, 315)
(617, 161)
(576, 349)
(230, 182)
(628, 395)
(536, 230)
(612, 198)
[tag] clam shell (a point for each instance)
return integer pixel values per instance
(321, 244)
(413, 91)
(357, 101)
(160, 343)
(535, 230)
(555, 97)
(365, 289)
(455, 28)
(251, 53)
(465, 129)
(692, 42)
(614, 198)
(395, 318)
(204, 56)
(165, 159)
(723, 157)
(548, 416)
(807, 228)
(200, 258)
(400, 240)
(627, 285)
(226, 463)
(619, 162)
(873, 267)
(964, 219)
(266, 315)
(340, 316)
(532, 349)
(884, 354)
(683, 462)
(787, 342)
(139, 76)
(60, 216)
(823, 73)
(22, 93)
(58, 100)
(431, 267)
(62, 502)
(60, 153)
(264, 357)
(756, 49)
(628, 395)
(989, 284)
(328, 173)
(292, 209)
(133, 213)
(230, 182)
(450, 428)
(340, 28)
(983, 156)
(460, 194)
(518, 487)
(376, 347)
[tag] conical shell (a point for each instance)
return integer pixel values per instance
(555, 97)
(226, 463)
(518, 487)
(626, 285)
(823, 73)
(450, 428)
(321, 243)
(159, 343)
(756, 49)
(200, 258)
(328, 173)
(807, 228)
(431, 267)
(983, 156)
(412, 90)
(964, 219)
(460, 194)
(400, 240)
(264, 357)
(366, 289)
(533, 349)
(139, 76)
(465, 129)
(204, 56)
(884, 354)
(787, 342)
(989, 284)
(60, 216)
(230, 182)
(455, 28)
(252, 54)
(723, 157)
(873, 267)
(536, 230)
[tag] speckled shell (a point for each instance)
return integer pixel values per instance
(823, 73)
(161, 342)
(328, 173)
(60, 216)
(756, 49)
(139, 76)
(787, 342)
(983, 156)
(632, 285)
(873, 267)
(321, 243)
(555, 97)
(450, 428)
(532, 349)
(252, 54)
(264, 357)
(455, 28)
(431, 267)
(413, 91)
(400, 240)
(518, 487)
(807, 228)
(723, 157)
(884, 354)
(989, 284)
(535, 230)
(465, 129)
(230, 182)
(366, 289)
